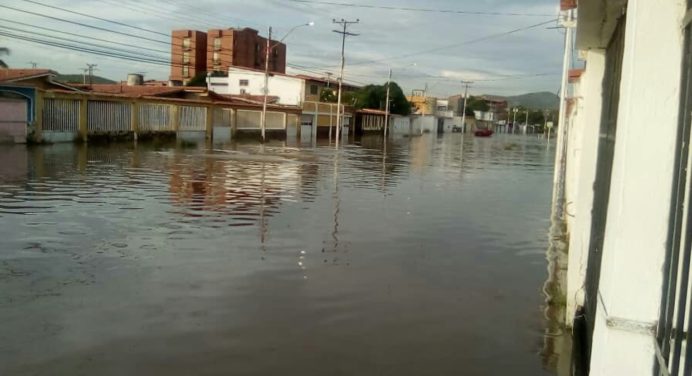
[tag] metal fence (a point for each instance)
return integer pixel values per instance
(222, 117)
(105, 116)
(193, 118)
(155, 117)
(673, 354)
(61, 115)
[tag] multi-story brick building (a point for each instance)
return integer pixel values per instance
(217, 50)
(188, 55)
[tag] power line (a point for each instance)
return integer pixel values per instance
(33, 33)
(427, 10)
(82, 36)
(83, 24)
(472, 41)
(89, 50)
(96, 18)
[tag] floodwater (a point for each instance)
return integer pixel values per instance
(424, 256)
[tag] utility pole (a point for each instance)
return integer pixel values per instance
(386, 119)
(526, 126)
(269, 48)
(90, 68)
(514, 122)
(329, 78)
(84, 75)
(263, 121)
(344, 33)
(466, 98)
(569, 23)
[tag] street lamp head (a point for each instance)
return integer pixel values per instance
(311, 23)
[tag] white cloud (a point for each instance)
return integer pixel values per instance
(383, 34)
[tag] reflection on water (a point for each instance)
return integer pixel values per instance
(421, 256)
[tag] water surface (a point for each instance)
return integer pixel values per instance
(424, 256)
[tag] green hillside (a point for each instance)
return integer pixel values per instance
(542, 100)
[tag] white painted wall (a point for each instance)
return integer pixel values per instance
(581, 174)
(638, 212)
(290, 90)
(401, 125)
(424, 124)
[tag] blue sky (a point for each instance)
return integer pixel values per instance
(455, 43)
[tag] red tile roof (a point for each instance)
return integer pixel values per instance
(132, 91)
(8, 74)
(370, 111)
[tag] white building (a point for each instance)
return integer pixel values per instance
(290, 90)
(628, 185)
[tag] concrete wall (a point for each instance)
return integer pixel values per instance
(581, 176)
(289, 90)
(13, 120)
(636, 232)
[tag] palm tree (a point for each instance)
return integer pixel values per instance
(4, 51)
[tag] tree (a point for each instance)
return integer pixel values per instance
(375, 97)
(328, 95)
(4, 51)
(477, 104)
(199, 80)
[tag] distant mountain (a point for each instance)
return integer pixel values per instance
(79, 79)
(542, 100)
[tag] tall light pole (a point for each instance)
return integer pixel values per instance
(386, 119)
(466, 99)
(344, 33)
(269, 48)
(514, 122)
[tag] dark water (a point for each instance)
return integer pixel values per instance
(428, 258)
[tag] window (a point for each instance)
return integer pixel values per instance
(216, 57)
(186, 57)
(314, 90)
(186, 71)
(217, 44)
(186, 43)
(244, 82)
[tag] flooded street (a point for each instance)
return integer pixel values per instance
(424, 256)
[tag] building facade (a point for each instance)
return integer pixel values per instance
(623, 186)
(188, 55)
(242, 48)
(194, 52)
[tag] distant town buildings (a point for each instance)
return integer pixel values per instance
(194, 52)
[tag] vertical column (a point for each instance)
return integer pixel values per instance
(209, 125)
(175, 117)
(83, 119)
(234, 122)
(636, 232)
(587, 124)
(38, 117)
(134, 118)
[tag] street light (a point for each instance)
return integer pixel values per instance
(389, 82)
(269, 48)
(514, 122)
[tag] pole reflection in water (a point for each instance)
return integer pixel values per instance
(190, 255)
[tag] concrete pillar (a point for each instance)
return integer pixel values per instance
(638, 212)
(587, 125)
(209, 122)
(38, 117)
(83, 119)
(234, 122)
(175, 117)
(134, 118)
